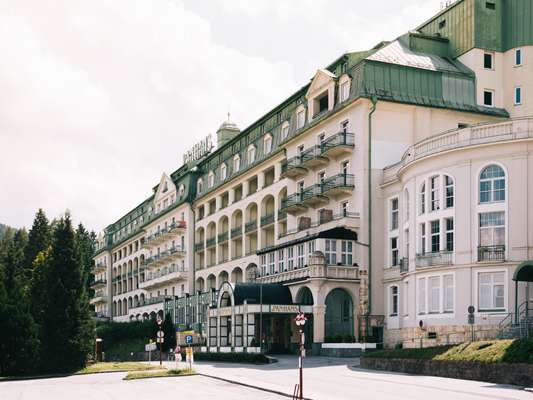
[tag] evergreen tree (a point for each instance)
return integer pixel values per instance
(67, 326)
(170, 333)
(38, 290)
(38, 239)
(18, 334)
(85, 249)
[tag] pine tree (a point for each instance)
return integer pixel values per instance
(170, 333)
(38, 290)
(38, 239)
(85, 249)
(67, 326)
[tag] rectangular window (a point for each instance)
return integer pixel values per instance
(281, 260)
(290, 258)
(422, 296)
(300, 119)
(406, 244)
(394, 251)
(394, 214)
(300, 186)
(345, 167)
(434, 193)
(491, 291)
(492, 228)
(394, 301)
(448, 292)
(434, 294)
(488, 98)
(345, 91)
(517, 96)
(435, 236)
(301, 253)
(346, 252)
(311, 247)
(488, 61)
(285, 131)
(448, 188)
(263, 265)
(344, 126)
(344, 209)
(405, 303)
(518, 57)
(449, 234)
(422, 238)
(271, 263)
(331, 252)
(489, 5)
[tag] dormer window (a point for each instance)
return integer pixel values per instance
(284, 130)
(344, 88)
(300, 119)
(251, 154)
(267, 144)
(181, 190)
(165, 187)
(200, 186)
(211, 180)
(236, 163)
(223, 172)
(321, 103)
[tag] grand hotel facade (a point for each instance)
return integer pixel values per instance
(382, 199)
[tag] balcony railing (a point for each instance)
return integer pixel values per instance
(199, 246)
(223, 237)
(434, 259)
(99, 282)
(338, 182)
(491, 253)
(250, 226)
(339, 140)
(292, 201)
(404, 265)
(236, 232)
(152, 300)
(282, 215)
(210, 242)
(267, 219)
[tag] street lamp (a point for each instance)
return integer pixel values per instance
(300, 322)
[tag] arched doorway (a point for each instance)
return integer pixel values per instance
(524, 305)
(339, 315)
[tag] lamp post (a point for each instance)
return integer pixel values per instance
(300, 322)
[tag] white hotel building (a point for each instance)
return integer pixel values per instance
(382, 199)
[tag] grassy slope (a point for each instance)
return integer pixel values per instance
(493, 351)
(115, 367)
(158, 374)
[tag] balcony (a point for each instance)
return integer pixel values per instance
(267, 220)
(293, 204)
(152, 300)
(250, 226)
(236, 232)
(434, 259)
(404, 265)
(210, 242)
(338, 144)
(313, 157)
(99, 298)
(99, 267)
(337, 185)
(313, 196)
(491, 253)
(282, 215)
(166, 233)
(199, 246)
(99, 283)
(223, 237)
(165, 277)
(293, 168)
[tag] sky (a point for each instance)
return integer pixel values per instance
(98, 98)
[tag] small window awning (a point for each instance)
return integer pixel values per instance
(524, 272)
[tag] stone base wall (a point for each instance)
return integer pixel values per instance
(445, 334)
(513, 374)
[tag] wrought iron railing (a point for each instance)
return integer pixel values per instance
(223, 237)
(434, 259)
(236, 232)
(250, 226)
(491, 253)
(267, 219)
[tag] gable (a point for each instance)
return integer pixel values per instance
(321, 81)
(165, 188)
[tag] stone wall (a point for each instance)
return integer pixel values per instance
(503, 373)
(445, 334)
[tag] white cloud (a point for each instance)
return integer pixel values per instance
(100, 97)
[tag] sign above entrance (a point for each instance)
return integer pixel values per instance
(286, 309)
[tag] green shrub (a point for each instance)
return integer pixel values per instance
(131, 336)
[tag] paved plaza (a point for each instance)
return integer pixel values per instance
(325, 379)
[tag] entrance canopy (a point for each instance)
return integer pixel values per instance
(267, 293)
(524, 272)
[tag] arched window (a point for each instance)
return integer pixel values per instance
(284, 130)
(449, 192)
(267, 144)
(251, 154)
(407, 204)
(223, 172)
(422, 205)
(211, 180)
(236, 163)
(492, 184)
(200, 186)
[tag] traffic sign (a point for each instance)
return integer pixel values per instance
(160, 340)
(471, 319)
(188, 339)
(471, 309)
(159, 320)
(150, 347)
(160, 334)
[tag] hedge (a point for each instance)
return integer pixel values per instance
(250, 358)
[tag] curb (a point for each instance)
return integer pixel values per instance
(251, 386)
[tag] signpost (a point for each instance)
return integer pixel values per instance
(160, 339)
(149, 348)
(472, 321)
(300, 322)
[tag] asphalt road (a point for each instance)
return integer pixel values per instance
(324, 379)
